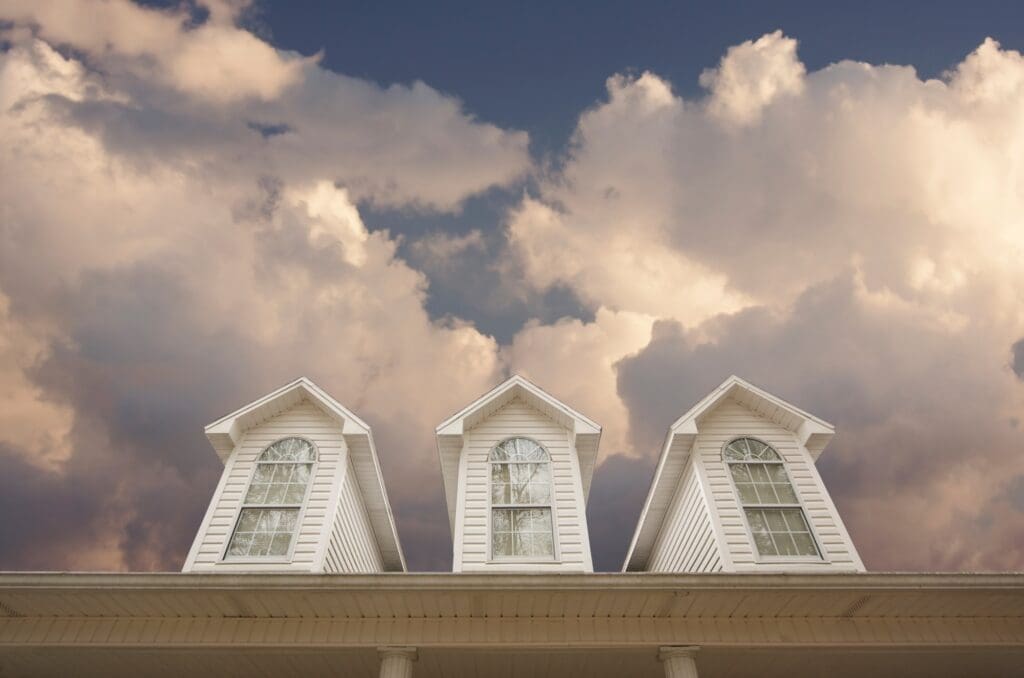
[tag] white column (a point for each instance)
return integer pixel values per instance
(679, 661)
(396, 662)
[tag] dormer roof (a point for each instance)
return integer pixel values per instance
(587, 433)
(812, 432)
(226, 432)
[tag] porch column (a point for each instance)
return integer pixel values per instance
(396, 662)
(679, 661)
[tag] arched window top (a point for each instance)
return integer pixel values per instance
(289, 450)
(518, 450)
(750, 450)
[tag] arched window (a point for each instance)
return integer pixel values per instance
(270, 511)
(776, 519)
(521, 500)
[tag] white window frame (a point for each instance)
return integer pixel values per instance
(798, 504)
(555, 553)
(225, 558)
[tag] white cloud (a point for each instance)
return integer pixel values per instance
(751, 76)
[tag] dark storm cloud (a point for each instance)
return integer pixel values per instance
(1017, 362)
(906, 423)
(616, 497)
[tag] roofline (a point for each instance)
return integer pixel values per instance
(505, 385)
(304, 381)
(734, 380)
(509, 581)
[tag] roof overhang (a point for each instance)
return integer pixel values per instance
(227, 431)
(587, 433)
(552, 611)
(812, 432)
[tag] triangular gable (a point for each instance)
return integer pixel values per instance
(225, 433)
(812, 432)
(449, 434)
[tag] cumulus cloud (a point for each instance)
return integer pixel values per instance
(751, 76)
(215, 61)
(149, 286)
(851, 238)
(172, 246)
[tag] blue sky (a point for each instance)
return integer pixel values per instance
(409, 202)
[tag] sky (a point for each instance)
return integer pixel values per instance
(408, 203)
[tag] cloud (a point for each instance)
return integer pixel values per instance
(751, 76)
(173, 245)
(923, 418)
(1017, 364)
(215, 61)
(147, 292)
(850, 238)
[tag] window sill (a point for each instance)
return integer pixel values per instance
(255, 561)
(522, 561)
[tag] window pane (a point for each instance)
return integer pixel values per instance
(289, 449)
(543, 545)
(757, 521)
(805, 545)
(499, 493)
(765, 545)
(500, 453)
(759, 473)
(260, 544)
(294, 494)
(784, 543)
(794, 520)
(765, 494)
(501, 520)
(740, 473)
(501, 543)
(275, 494)
(786, 493)
(279, 545)
(499, 473)
(747, 493)
(776, 523)
(257, 493)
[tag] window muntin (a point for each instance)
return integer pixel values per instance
(520, 486)
(269, 517)
(774, 515)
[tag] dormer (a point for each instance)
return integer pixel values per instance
(736, 490)
(517, 465)
(301, 491)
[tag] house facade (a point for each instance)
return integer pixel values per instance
(740, 564)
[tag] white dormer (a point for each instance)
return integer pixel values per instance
(517, 465)
(736, 490)
(301, 491)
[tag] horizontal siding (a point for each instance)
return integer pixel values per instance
(352, 546)
(686, 542)
(730, 420)
(304, 420)
(519, 419)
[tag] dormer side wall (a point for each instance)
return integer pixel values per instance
(472, 550)
(731, 420)
(687, 541)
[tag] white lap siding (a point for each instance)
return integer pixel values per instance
(304, 420)
(352, 547)
(731, 420)
(687, 542)
(472, 539)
